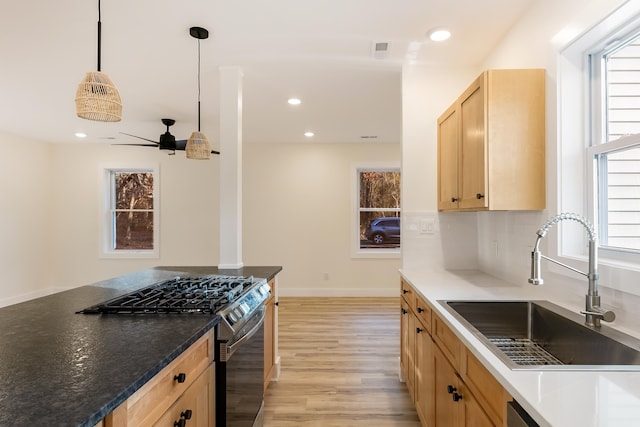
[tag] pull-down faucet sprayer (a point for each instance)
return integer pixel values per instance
(593, 312)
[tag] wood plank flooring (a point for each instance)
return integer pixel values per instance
(339, 365)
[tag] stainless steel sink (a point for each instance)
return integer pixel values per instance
(539, 335)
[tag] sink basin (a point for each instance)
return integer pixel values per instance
(543, 336)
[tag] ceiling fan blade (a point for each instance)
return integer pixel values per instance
(215, 152)
(139, 137)
(140, 145)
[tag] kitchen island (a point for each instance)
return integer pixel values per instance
(60, 368)
(555, 398)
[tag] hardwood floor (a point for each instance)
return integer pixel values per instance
(339, 365)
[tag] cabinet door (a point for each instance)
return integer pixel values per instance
(473, 413)
(424, 380)
(448, 411)
(195, 406)
(411, 348)
(269, 327)
(448, 126)
(404, 337)
(473, 185)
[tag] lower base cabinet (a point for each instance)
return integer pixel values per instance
(181, 394)
(194, 408)
(448, 385)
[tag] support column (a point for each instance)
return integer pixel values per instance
(230, 167)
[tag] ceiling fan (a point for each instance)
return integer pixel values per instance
(167, 140)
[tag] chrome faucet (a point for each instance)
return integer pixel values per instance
(593, 312)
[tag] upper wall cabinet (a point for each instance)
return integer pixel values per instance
(491, 144)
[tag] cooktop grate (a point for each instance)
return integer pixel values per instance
(178, 295)
(523, 351)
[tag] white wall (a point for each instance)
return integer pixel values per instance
(297, 211)
(426, 93)
(51, 199)
(188, 211)
(25, 219)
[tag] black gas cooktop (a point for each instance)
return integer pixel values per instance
(206, 295)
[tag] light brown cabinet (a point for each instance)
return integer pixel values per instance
(183, 389)
(448, 385)
(194, 406)
(491, 144)
(270, 335)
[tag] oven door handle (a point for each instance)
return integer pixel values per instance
(233, 347)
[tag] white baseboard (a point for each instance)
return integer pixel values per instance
(338, 292)
(4, 302)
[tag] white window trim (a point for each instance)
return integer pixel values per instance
(106, 229)
(576, 177)
(356, 251)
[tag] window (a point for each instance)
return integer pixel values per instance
(615, 143)
(377, 209)
(595, 156)
(131, 226)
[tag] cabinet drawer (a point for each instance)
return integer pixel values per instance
(147, 404)
(198, 399)
(406, 291)
(423, 312)
(448, 342)
(490, 394)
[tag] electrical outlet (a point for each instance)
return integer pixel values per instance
(427, 225)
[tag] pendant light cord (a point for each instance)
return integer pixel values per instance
(198, 85)
(99, 35)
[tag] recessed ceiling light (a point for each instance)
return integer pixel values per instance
(309, 134)
(439, 35)
(80, 135)
(294, 101)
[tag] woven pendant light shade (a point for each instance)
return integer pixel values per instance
(98, 99)
(198, 147)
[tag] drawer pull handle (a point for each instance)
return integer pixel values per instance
(454, 199)
(479, 196)
(451, 389)
(182, 422)
(181, 377)
(418, 330)
(456, 397)
(420, 309)
(404, 291)
(403, 311)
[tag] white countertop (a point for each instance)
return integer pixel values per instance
(552, 398)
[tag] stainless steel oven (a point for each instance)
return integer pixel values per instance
(240, 375)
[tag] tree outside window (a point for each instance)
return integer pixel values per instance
(132, 210)
(379, 208)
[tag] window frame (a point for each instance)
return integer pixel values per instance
(576, 171)
(107, 224)
(356, 250)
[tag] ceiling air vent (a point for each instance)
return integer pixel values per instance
(379, 50)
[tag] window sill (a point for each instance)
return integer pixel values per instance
(130, 255)
(376, 253)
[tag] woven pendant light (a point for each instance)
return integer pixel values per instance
(198, 147)
(97, 98)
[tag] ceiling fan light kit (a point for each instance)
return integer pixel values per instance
(97, 98)
(198, 145)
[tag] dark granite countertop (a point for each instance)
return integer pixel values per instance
(59, 368)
